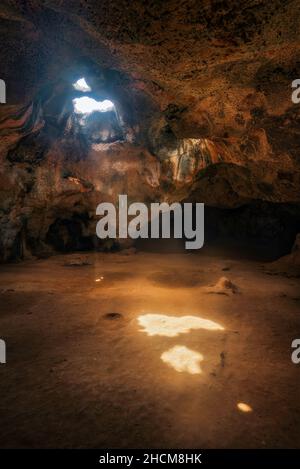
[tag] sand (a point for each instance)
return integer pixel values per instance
(98, 354)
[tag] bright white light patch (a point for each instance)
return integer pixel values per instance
(244, 407)
(86, 105)
(99, 279)
(171, 326)
(81, 85)
(183, 359)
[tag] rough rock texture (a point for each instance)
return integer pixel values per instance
(203, 98)
(224, 286)
(288, 265)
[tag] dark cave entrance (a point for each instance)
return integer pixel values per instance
(68, 234)
(260, 230)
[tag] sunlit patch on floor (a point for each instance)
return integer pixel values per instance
(182, 359)
(244, 407)
(171, 326)
(99, 279)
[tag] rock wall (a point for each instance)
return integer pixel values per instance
(204, 112)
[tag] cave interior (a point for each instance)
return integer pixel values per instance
(142, 343)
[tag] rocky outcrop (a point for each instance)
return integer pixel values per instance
(288, 265)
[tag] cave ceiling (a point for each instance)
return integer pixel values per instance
(202, 89)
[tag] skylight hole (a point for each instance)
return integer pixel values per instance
(86, 105)
(81, 85)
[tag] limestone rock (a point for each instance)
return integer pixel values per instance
(224, 286)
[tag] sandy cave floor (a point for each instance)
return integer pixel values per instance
(82, 371)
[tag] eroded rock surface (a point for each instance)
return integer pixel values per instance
(202, 92)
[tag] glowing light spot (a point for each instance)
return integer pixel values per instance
(172, 326)
(183, 359)
(86, 105)
(99, 279)
(244, 407)
(81, 85)
(75, 180)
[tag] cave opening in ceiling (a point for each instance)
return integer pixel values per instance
(94, 117)
(81, 85)
(98, 121)
(86, 105)
(129, 117)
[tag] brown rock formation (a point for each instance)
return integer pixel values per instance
(203, 98)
